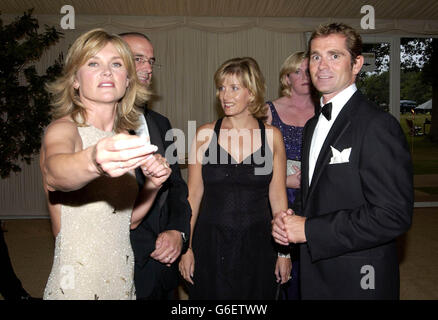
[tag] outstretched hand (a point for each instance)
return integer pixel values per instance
(116, 155)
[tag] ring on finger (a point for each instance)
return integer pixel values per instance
(166, 165)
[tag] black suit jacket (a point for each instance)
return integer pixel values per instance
(356, 210)
(170, 211)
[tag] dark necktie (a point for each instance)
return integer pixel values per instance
(327, 111)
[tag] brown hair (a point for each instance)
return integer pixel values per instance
(352, 38)
(248, 72)
(65, 98)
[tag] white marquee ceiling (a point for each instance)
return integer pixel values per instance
(384, 9)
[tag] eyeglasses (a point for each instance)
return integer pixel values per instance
(151, 61)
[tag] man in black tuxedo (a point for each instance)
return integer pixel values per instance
(162, 236)
(357, 182)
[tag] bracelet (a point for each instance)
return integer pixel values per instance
(283, 255)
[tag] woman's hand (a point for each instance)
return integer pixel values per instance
(283, 267)
(157, 170)
(116, 155)
(294, 180)
(187, 265)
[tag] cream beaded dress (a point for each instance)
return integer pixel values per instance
(93, 255)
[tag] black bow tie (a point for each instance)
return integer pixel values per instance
(327, 111)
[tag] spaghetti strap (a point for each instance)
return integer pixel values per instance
(274, 113)
(263, 136)
(219, 150)
(217, 127)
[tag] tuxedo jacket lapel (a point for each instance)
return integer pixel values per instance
(308, 133)
(154, 134)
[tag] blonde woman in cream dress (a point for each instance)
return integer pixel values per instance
(87, 161)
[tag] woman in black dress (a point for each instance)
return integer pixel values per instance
(237, 179)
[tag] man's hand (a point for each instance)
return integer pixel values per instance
(294, 227)
(167, 247)
(279, 229)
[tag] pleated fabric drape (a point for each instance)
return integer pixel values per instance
(183, 84)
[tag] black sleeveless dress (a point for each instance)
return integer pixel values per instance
(234, 252)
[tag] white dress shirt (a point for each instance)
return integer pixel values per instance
(323, 126)
(143, 130)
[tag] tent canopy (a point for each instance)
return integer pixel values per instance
(425, 106)
(400, 9)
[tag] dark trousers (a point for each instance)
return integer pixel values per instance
(155, 281)
(160, 294)
(10, 285)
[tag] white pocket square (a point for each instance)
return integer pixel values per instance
(340, 157)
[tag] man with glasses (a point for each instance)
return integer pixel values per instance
(162, 235)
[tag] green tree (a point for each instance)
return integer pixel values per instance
(419, 81)
(375, 87)
(24, 103)
(412, 87)
(422, 54)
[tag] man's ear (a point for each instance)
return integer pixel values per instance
(358, 63)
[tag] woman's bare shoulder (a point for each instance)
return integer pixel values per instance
(64, 122)
(61, 128)
(209, 125)
(272, 128)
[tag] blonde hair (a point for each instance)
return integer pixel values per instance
(248, 72)
(290, 65)
(65, 98)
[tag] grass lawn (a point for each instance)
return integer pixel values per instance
(424, 153)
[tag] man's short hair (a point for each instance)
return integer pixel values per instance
(137, 34)
(352, 38)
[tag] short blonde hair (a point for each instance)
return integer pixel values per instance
(290, 65)
(248, 72)
(65, 98)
